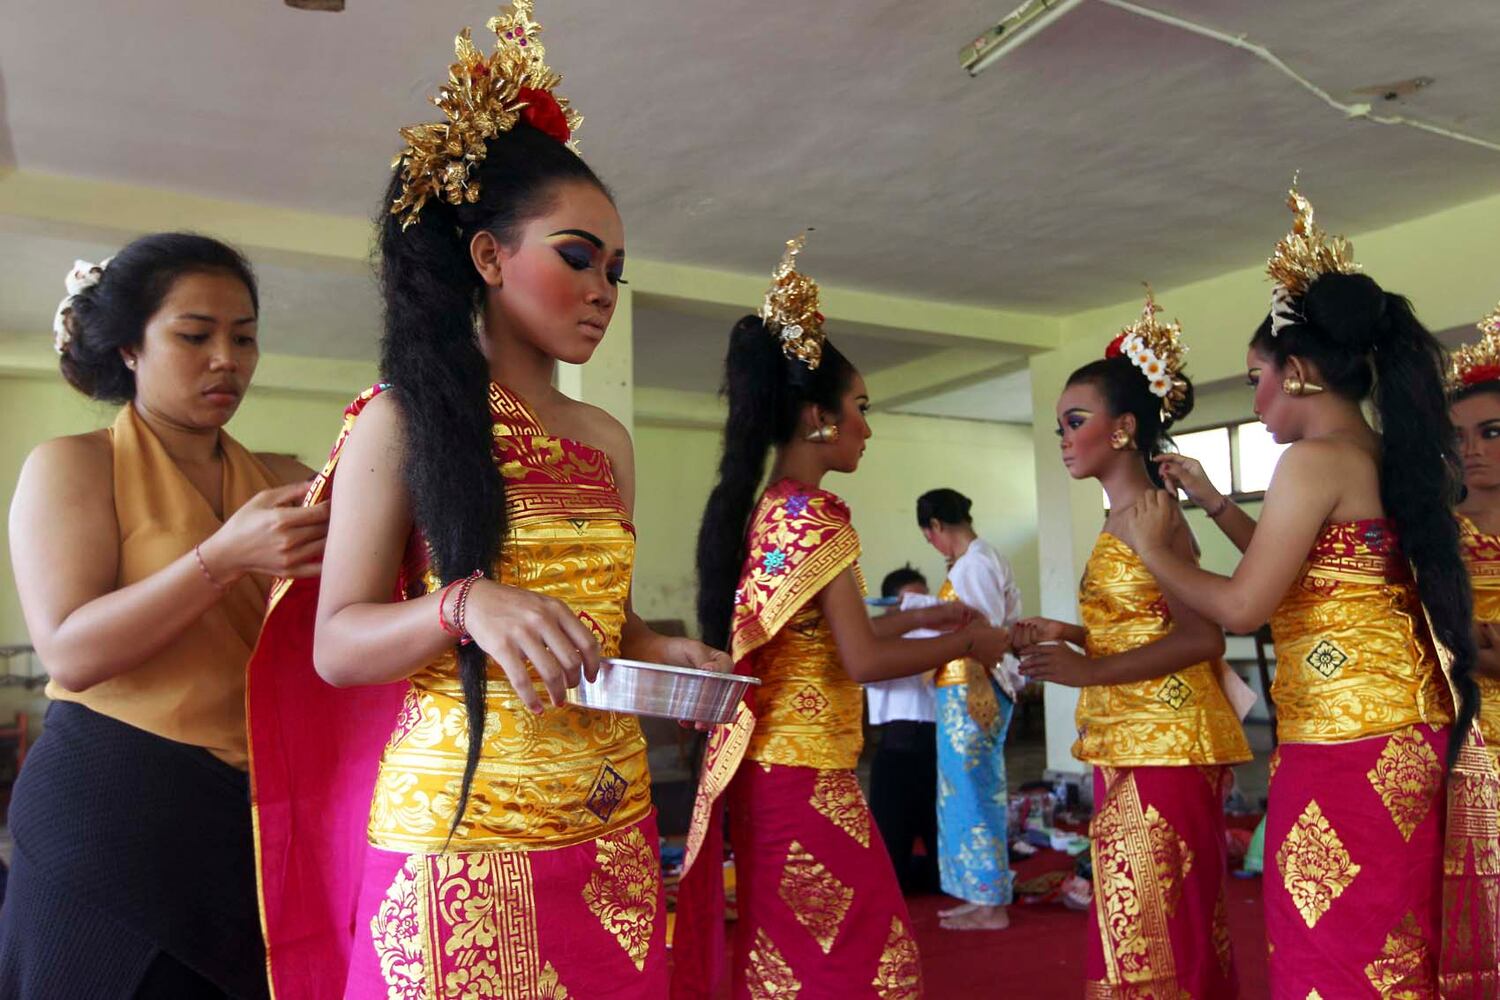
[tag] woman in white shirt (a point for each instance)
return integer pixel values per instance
(974, 703)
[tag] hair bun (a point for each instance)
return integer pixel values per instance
(1349, 309)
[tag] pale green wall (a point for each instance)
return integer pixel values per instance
(991, 463)
(33, 409)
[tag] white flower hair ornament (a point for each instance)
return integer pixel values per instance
(83, 277)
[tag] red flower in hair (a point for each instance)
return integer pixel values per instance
(1481, 373)
(543, 113)
(1113, 350)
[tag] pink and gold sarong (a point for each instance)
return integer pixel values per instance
(1382, 867)
(820, 910)
(1161, 750)
(1159, 862)
(550, 888)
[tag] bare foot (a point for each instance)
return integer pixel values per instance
(954, 911)
(980, 918)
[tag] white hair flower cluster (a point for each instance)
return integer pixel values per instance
(83, 276)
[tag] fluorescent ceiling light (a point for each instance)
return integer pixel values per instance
(1025, 22)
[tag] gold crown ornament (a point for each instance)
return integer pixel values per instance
(1300, 258)
(1155, 348)
(790, 311)
(1480, 361)
(484, 96)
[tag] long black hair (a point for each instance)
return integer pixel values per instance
(430, 354)
(1126, 389)
(766, 392)
(112, 314)
(1366, 341)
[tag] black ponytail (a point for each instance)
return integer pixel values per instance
(1368, 342)
(1126, 389)
(766, 392)
(430, 354)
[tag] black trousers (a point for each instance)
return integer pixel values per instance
(903, 797)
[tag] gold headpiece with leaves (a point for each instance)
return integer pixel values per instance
(484, 96)
(790, 310)
(1300, 258)
(1155, 348)
(1480, 361)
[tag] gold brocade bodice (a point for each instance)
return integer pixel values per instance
(1353, 657)
(954, 672)
(1180, 719)
(564, 776)
(808, 711)
(1482, 555)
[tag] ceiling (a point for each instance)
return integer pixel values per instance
(1109, 150)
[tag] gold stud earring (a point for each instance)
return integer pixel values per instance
(824, 434)
(1296, 385)
(1120, 441)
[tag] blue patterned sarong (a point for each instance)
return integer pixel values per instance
(973, 853)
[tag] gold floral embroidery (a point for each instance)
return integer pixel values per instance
(1314, 995)
(1407, 777)
(899, 976)
(816, 898)
(397, 929)
(1315, 866)
(837, 798)
(1275, 765)
(1473, 814)
(1171, 856)
(1132, 911)
(548, 987)
(1404, 968)
(622, 891)
(1221, 934)
(770, 977)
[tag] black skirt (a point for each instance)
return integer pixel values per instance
(134, 854)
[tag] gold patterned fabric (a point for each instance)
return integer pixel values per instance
(511, 924)
(1353, 656)
(1482, 555)
(569, 774)
(979, 694)
(1315, 865)
(1158, 926)
(808, 711)
(1180, 719)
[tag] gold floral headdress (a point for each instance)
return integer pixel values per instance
(1300, 258)
(790, 310)
(1155, 348)
(484, 96)
(1480, 361)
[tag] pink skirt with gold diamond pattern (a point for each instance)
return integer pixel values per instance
(820, 910)
(1354, 866)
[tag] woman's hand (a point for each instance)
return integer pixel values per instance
(1150, 522)
(515, 626)
(684, 652)
(1058, 663)
(271, 535)
(949, 616)
(1186, 474)
(1034, 631)
(988, 643)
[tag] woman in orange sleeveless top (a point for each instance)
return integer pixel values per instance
(1152, 717)
(1355, 553)
(143, 554)
(1474, 386)
(820, 910)
(479, 835)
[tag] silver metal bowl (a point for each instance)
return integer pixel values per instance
(667, 692)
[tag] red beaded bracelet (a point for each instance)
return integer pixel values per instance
(442, 620)
(461, 607)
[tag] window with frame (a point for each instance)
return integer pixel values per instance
(1240, 455)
